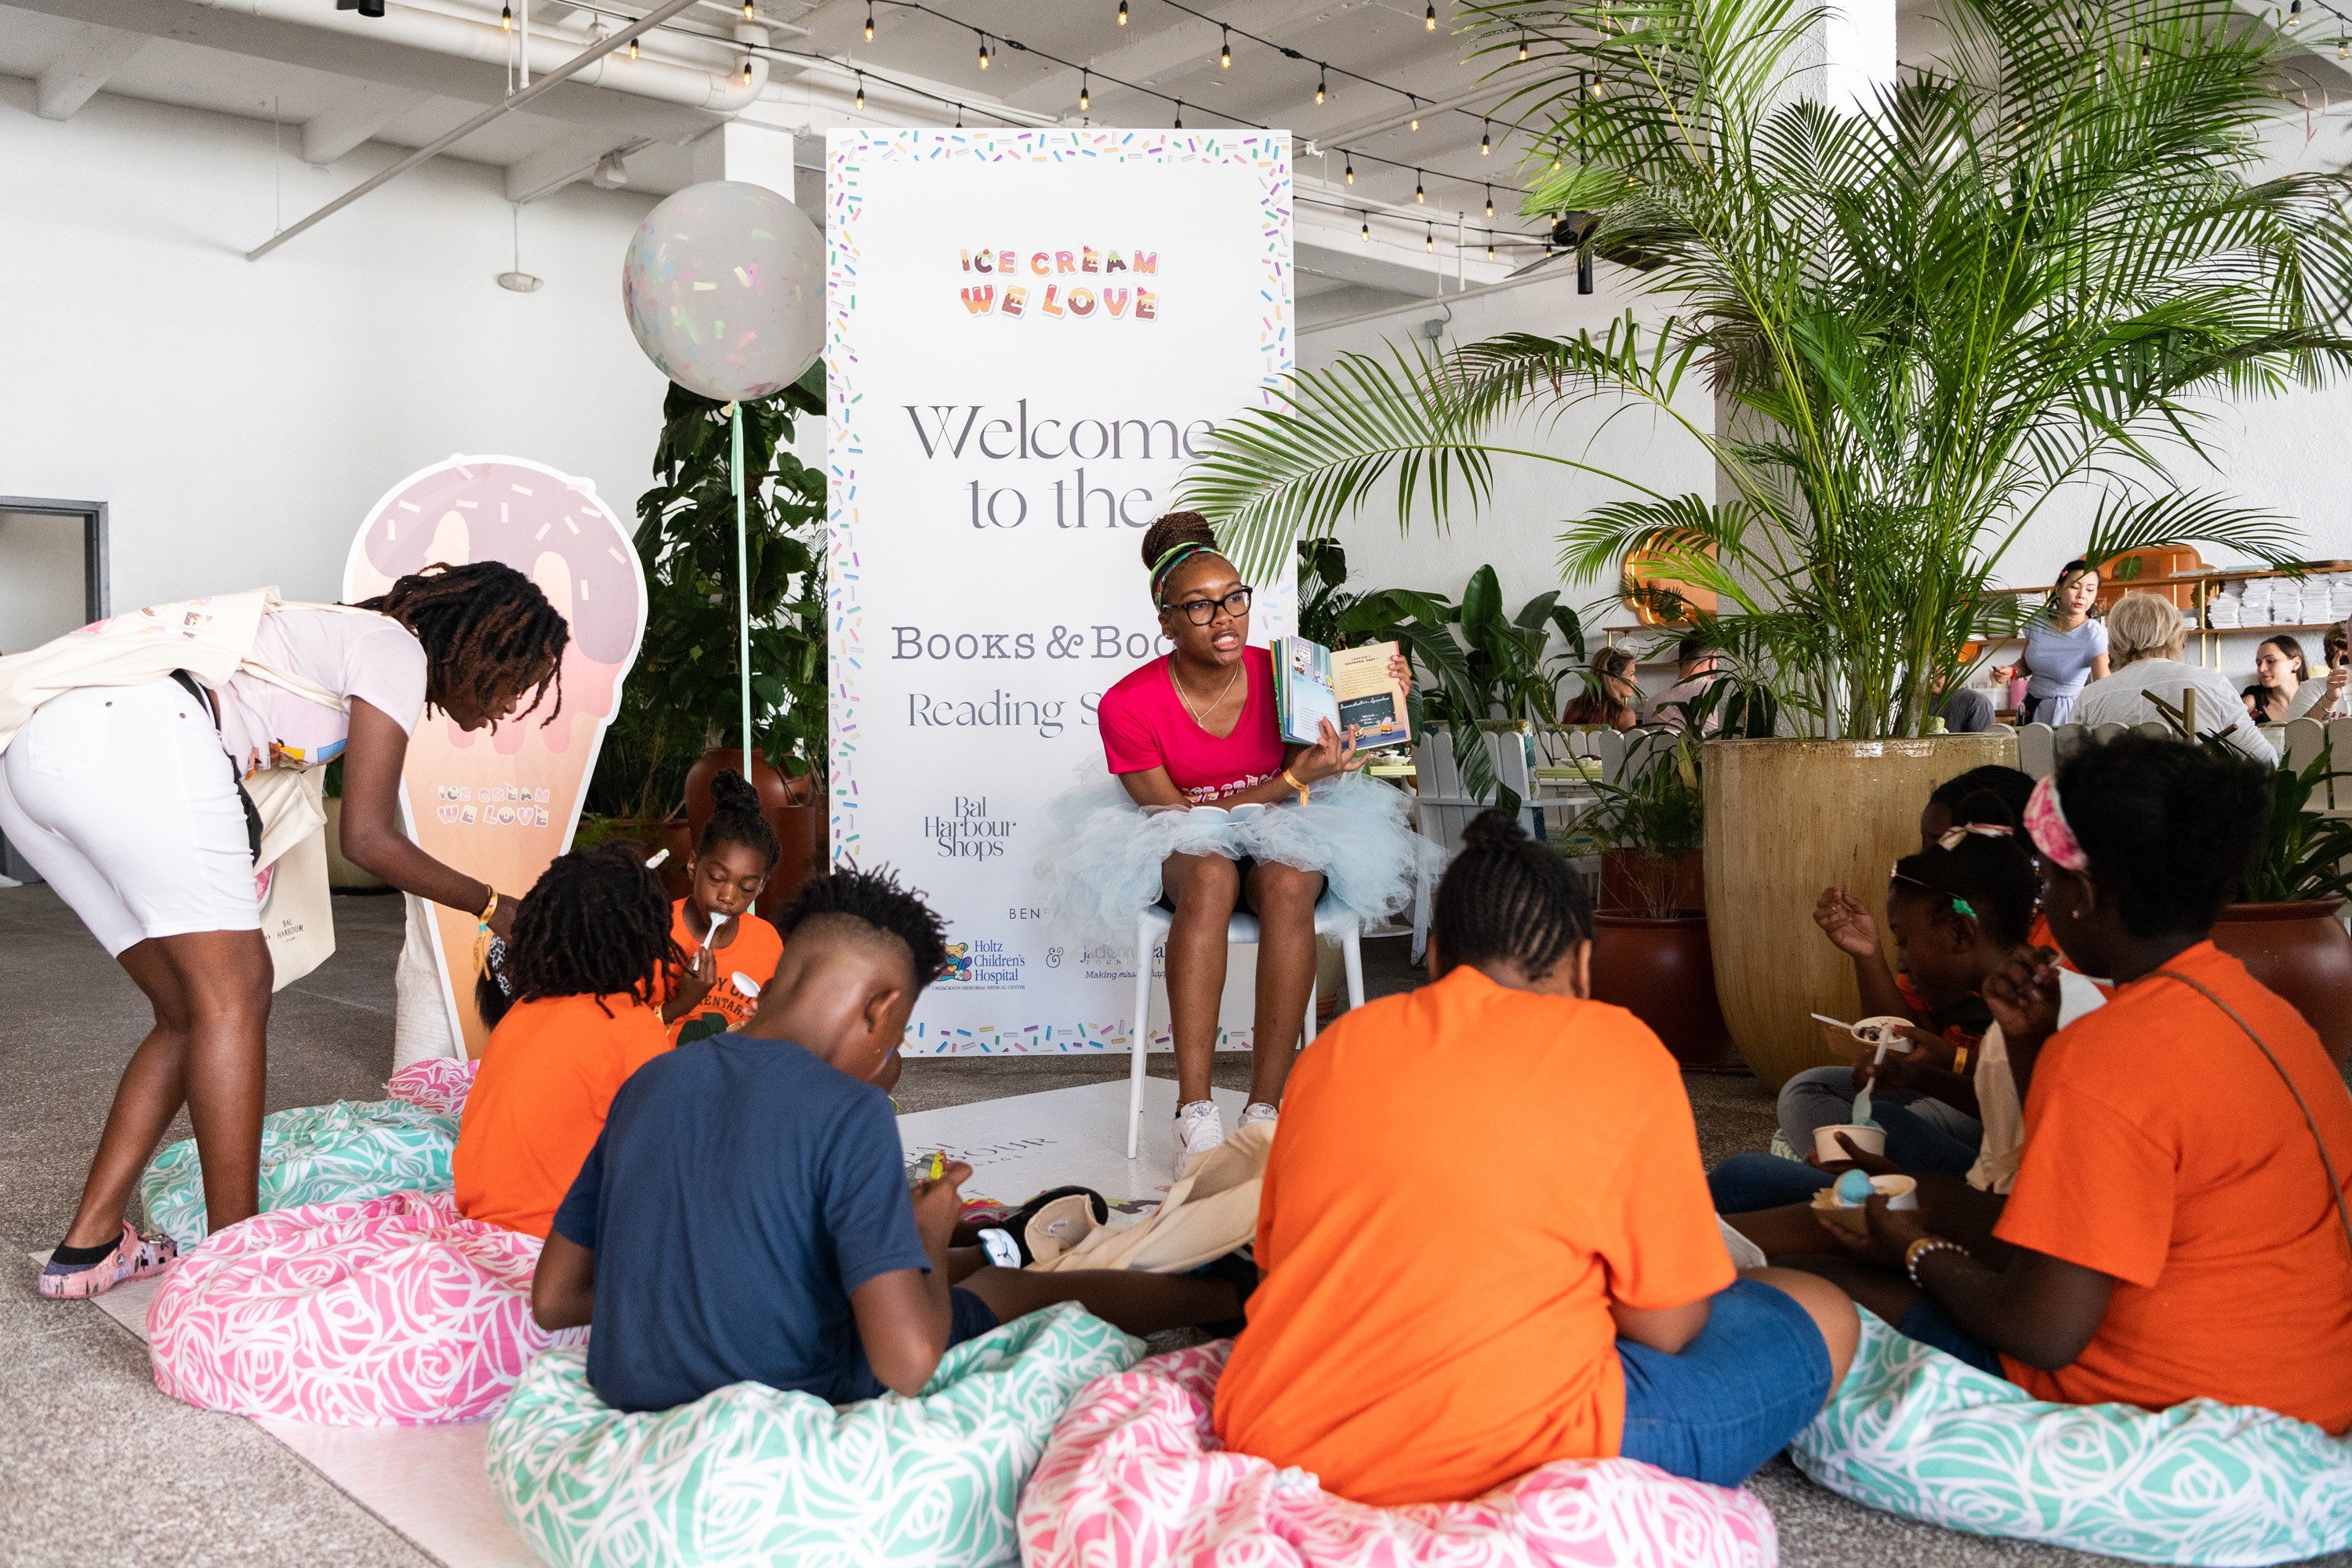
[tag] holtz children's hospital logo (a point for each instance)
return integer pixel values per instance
(982, 963)
(958, 961)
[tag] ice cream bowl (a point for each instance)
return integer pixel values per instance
(1900, 1193)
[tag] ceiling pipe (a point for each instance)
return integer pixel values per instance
(691, 87)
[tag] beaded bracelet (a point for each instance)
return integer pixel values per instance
(1920, 1248)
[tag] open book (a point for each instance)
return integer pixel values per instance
(1349, 686)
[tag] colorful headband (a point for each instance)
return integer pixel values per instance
(1174, 558)
(2046, 822)
(1953, 838)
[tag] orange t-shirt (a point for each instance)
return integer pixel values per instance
(751, 951)
(1465, 1178)
(548, 1077)
(2161, 1149)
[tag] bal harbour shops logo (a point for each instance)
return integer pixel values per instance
(968, 832)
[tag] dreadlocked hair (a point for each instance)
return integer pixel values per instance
(1989, 880)
(487, 630)
(735, 819)
(874, 899)
(1507, 898)
(596, 923)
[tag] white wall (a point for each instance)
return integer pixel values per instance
(241, 416)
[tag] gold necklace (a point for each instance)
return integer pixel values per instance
(1186, 698)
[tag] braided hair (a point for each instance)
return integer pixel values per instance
(1989, 880)
(596, 923)
(487, 630)
(1508, 898)
(735, 819)
(876, 900)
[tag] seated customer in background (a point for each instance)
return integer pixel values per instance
(2145, 637)
(2177, 1228)
(745, 1214)
(1696, 667)
(590, 948)
(1529, 1269)
(1610, 693)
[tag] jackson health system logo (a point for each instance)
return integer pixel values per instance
(967, 832)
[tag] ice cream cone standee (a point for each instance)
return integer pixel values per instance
(501, 805)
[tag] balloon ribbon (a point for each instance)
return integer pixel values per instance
(742, 587)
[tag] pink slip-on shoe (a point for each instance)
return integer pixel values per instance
(135, 1256)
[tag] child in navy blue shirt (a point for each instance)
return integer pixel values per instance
(745, 1214)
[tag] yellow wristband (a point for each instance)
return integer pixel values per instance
(1292, 780)
(482, 932)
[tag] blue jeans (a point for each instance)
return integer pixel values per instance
(1732, 1397)
(1746, 1183)
(1823, 1097)
(1921, 1143)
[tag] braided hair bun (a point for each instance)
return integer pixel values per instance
(1508, 899)
(735, 819)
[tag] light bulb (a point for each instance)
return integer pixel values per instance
(1351, 171)
(1319, 84)
(1418, 193)
(1368, 231)
(1555, 163)
(1523, 45)
(1490, 250)
(2342, 48)
(1490, 201)
(1179, 114)
(1600, 90)
(1429, 238)
(1225, 54)
(506, 18)
(869, 21)
(983, 51)
(750, 12)
(1485, 145)
(1429, 17)
(747, 71)
(958, 116)
(632, 49)
(2146, 55)
(2294, 14)
(1416, 112)
(1085, 97)
(1122, 13)
(859, 101)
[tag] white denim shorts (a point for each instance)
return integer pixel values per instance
(123, 801)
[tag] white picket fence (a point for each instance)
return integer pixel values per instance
(2041, 748)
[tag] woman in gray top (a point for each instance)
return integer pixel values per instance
(2064, 647)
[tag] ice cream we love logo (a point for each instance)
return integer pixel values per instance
(1000, 283)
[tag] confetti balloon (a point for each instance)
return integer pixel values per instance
(725, 290)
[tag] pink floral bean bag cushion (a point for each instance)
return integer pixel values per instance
(393, 1312)
(1134, 1477)
(437, 1084)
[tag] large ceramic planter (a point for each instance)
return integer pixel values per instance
(1629, 876)
(2301, 952)
(1663, 971)
(786, 803)
(1784, 820)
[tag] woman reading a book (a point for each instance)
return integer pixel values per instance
(1213, 811)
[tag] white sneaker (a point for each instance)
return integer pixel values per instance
(1256, 1110)
(1200, 1127)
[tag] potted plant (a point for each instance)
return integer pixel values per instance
(680, 726)
(2019, 275)
(1650, 954)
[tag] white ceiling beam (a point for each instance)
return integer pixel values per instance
(364, 109)
(1190, 42)
(74, 76)
(562, 162)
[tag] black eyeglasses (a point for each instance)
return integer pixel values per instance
(1201, 612)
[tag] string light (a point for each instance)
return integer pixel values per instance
(869, 21)
(1486, 142)
(632, 49)
(1319, 85)
(2295, 16)
(859, 101)
(2342, 48)
(1179, 114)
(1490, 249)
(750, 12)
(1523, 45)
(1085, 98)
(1429, 17)
(747, 71)
(1416, 110)
(1418, 193)
(1368, 231)
(1122, 13)
(1225, 54)
(506, 18)
(1429, 237)
(1351, 168)
(1490, 201)
(983, 51)
(2146, 55)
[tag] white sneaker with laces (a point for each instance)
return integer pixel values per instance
(1257, 1110)
(1200, 1127)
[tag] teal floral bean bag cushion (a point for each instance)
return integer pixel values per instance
(343, 1152)
(1918, 1433)
(753, 1474)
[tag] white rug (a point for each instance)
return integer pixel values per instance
(428, 1483)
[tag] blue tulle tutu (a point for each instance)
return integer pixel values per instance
(1104, 871)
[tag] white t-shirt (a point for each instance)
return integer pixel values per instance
(2003, 1147)
(2122, 698)
(370, 656)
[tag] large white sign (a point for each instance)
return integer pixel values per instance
(1029, 334)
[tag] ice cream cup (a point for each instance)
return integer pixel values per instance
(1883, 1030)
(1869, 1140)
(1900, 1193)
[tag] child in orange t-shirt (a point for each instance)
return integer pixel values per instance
(1485, 1237)
(2177, 1229)
(718, 986)
(590, 944)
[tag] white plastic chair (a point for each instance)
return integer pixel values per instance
(1151, 929)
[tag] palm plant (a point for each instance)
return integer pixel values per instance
(1921, 325)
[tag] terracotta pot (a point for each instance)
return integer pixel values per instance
(1663, 971)
(1784, 820)
(1625, 877)
(786, 804)
(2301, 952)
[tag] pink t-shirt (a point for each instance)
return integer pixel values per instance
(371, 657)
(1145, 726)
